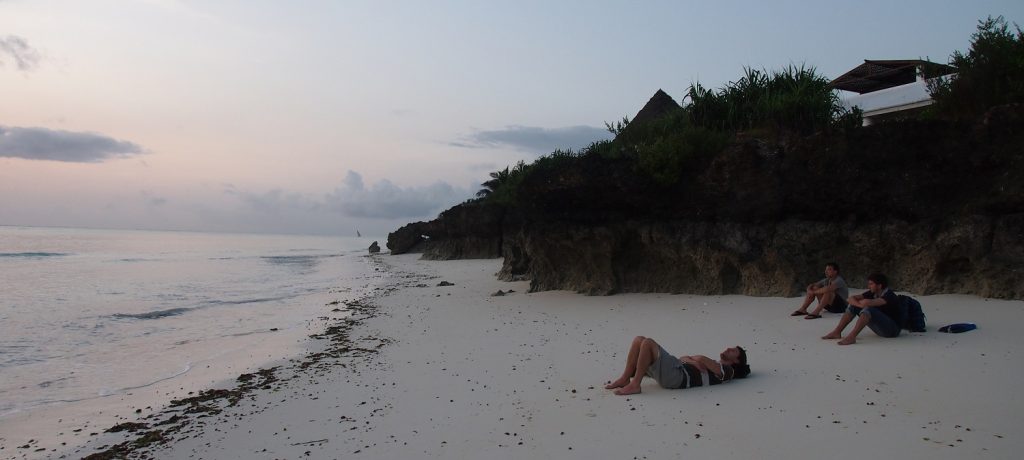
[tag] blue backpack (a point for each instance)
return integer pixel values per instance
(914, 314)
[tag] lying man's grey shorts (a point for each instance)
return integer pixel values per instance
(669, 371)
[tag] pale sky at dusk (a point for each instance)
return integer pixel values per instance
(329, 116)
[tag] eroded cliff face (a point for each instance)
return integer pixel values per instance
(979, 255)
(466, 231)
(938, 207)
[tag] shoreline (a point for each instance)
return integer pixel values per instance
(68, 429)
(453, 371)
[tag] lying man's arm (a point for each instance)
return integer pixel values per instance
(694, 361)
(707, 364)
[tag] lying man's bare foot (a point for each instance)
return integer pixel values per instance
(831, 335)
(618, 383)
(848, 341)
(628, 390)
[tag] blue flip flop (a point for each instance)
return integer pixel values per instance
(958, 328)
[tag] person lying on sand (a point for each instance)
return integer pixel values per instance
(831, 293)
(647, 358)
(878, 308)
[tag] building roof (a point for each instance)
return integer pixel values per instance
(658, 106)
(874, 75)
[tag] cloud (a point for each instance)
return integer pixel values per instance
(354, 199)
(57, 145)
(274, 202)
(16, 48)
(153, 201)
(486, 167)
(534, 139)
(385, 200)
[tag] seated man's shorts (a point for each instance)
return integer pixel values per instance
(838, 305)
(880, 323)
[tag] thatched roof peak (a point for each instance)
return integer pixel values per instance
(659, 105)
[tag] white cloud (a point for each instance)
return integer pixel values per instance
(385, 200)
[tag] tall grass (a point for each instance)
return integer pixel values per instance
(795, 99)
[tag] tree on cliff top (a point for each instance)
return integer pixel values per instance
(502, 183)
(991, 73)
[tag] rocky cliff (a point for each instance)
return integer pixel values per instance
(467, 231)
(975, 254)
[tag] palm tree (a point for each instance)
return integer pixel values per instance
(497, 179)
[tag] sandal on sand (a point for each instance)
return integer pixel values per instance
(810, 316)
(798, 313)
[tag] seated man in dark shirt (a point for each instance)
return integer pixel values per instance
(648, 359)
(879, 309)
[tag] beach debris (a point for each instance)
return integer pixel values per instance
(445, 283)
(127, 426)
(498, 294)
(374, 248)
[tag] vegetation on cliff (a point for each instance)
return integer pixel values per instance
(667, 145)
(666, 140)
(990, 73)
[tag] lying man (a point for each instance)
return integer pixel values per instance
(647, 358)
(878, 308)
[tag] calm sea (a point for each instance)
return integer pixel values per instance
(89, 313)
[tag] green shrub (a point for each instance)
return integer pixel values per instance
(991, 73)
(666, 159)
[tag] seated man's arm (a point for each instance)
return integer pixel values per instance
(829, 287)
(872, 302)
(856, 300)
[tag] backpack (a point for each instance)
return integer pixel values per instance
(915, 316)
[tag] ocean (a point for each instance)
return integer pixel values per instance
(94, 313)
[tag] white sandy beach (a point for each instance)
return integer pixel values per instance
(468, 375)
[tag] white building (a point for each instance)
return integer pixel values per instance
(889, 89)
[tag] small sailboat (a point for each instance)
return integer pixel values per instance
(358, 234)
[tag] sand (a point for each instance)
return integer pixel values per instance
(464, 374)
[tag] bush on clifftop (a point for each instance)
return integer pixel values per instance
(991, 73)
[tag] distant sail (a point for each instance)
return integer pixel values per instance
(358, 234)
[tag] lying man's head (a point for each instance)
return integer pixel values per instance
(737, 358)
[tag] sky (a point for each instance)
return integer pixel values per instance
(328, 117)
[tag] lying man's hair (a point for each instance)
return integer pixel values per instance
(741, 370)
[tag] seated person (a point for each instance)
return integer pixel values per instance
(831, 293)
(647, 358)
(879, 309)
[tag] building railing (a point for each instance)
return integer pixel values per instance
(903, 97)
